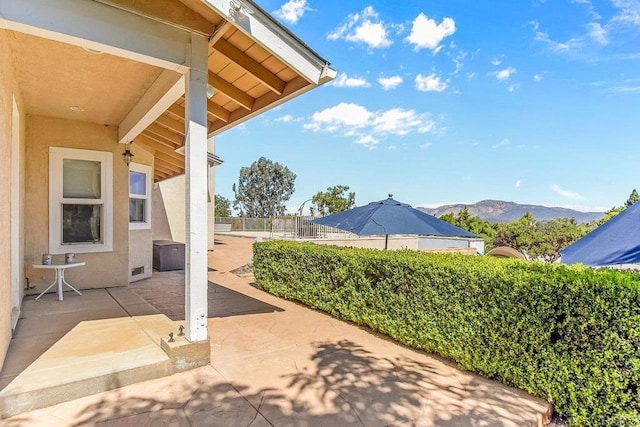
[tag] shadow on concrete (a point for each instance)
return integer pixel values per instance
(165, 291)
(345, 385)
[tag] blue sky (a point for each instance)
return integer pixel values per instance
(458, 101)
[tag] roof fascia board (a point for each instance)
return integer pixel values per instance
(261, 27)
(101, 27)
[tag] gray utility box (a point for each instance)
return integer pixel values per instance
(168, 255)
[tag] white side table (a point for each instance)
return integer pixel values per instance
(59, 280)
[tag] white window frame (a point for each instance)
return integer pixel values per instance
(57, 155)
(146, 224)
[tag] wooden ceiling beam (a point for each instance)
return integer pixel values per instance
(151, 144)
(169, 136)
(177, 110)
(213, 110)
(172, 124)
(159, 176)
(171, 160)
(218, 112)
(157, 140)
(219, 32)
(250, 65)
(162, 170)
(168, 166)
(165, 172)
(230, 91)
(293, 88)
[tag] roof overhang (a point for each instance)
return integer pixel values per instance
(254, 63)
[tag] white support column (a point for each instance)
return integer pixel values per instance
(196, 191)
(212, 200)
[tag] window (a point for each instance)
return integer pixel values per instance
(80, 201)
(139, 197)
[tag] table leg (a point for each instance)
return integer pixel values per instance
(49, 287)
(74, 289)
(60, 275)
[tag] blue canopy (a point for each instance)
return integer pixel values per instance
(617, 241)
(390, 217)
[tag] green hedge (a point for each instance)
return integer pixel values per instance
(569, 335)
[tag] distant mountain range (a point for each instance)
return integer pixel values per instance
(501, 211)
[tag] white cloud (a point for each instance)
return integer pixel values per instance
(430, 83)
(427, 34)
(292, 11)
(352, 120)
(389, 83)
(518, 183)
(597, 33)
(458, 61)
(339, 117)
(426, 145)
(428, 127)
(591, 10)
(569, 46)
(344, 81)
(504, 74)
(287, 118)
(629, 12)
(368, 141)
(502, 143)
(472, 75)
(567, 194)
(496, 62)
(537, 77)
(399, 122)
(364, 27)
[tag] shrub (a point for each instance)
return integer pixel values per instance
(570, 335)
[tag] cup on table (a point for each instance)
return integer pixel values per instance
(69, 258)
(46, 259)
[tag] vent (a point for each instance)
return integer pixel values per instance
(137, 270)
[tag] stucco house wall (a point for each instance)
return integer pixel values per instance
(103, 269)
(141, 241)
(8, 92)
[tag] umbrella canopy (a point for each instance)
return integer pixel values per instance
(390, 217)
(617, 241)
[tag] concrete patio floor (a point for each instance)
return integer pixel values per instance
(274, 362)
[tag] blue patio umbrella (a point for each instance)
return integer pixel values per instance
(390, 217)
(617, 241)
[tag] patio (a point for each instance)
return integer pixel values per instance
(274, 362)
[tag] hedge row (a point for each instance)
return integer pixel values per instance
(569, 335)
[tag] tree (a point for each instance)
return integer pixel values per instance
(610, 214)
(263, 188)
(473, 224)
(223, 207)
(633, 198)
(542, 240)
(333, 200)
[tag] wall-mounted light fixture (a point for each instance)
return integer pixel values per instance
(127, 155)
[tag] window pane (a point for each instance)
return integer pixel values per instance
(136, 210)
(81, 223)
(81, 179)
(138, 183)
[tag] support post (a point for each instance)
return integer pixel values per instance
(196, 191)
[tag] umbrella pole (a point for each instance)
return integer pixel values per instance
(386, 241)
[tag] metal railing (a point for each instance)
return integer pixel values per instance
(289, 226)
